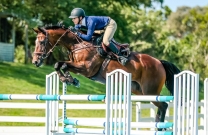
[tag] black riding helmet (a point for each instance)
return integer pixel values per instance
(77, 12)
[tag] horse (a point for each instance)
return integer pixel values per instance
(149, 74)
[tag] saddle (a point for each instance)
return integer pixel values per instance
(104, 51)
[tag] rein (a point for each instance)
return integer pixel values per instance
(79, 40)
(85, 45)
(55, 45)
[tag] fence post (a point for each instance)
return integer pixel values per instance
(186, 94)
(138, 113)
(118, 92)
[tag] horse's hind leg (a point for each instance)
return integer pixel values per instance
(154, 86)
(162, 106)
(161, 112)
(135, 88)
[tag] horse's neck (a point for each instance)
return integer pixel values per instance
(62, 36)
(86, 50)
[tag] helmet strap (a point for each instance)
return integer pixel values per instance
(80, 20)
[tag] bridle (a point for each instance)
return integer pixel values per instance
(46, 41)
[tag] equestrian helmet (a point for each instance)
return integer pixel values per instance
(77, 12)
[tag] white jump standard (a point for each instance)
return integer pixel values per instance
(118, 100)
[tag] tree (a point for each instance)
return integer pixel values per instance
(38, 12)
(190, 30)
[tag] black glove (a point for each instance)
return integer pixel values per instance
(71, 28)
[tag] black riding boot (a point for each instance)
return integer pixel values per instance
(115, 50)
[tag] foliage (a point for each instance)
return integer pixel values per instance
(189, 28)
(39, 12)
(19, 55)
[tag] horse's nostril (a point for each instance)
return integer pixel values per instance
(34, 62)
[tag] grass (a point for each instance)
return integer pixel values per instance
(27, 79)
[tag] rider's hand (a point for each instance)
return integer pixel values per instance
(72, 29)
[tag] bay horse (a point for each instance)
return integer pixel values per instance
(148, 73)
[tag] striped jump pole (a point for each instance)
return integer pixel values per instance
(52, 97)
(102, 131)
(79, 97)
(96, 123)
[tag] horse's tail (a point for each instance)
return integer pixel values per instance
(170, 69)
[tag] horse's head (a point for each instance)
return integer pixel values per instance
(47, 39)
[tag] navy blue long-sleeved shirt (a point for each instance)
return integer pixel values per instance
(92, 23)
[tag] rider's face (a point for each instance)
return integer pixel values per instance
(76, 20)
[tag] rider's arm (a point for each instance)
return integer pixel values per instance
(90, 31)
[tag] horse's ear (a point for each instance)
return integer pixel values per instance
(36, 30)
(42, 30)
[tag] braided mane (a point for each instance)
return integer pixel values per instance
(53, 26)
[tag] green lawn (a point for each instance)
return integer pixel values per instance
(27, 79)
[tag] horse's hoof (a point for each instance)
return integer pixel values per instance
(62, 79)
(76, 83)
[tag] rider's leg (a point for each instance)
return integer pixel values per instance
(113, 48)
(108, 35)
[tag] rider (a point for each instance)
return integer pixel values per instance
(92, 23)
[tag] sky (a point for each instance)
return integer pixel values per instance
(173, 4)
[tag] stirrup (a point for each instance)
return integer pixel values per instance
(125, 52)
(122, 60)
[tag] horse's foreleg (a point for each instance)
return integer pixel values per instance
(76, 67)
(161, 112)
(68, 77)
(64, 75)
(57, 67)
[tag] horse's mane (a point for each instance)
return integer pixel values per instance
(52, 26)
